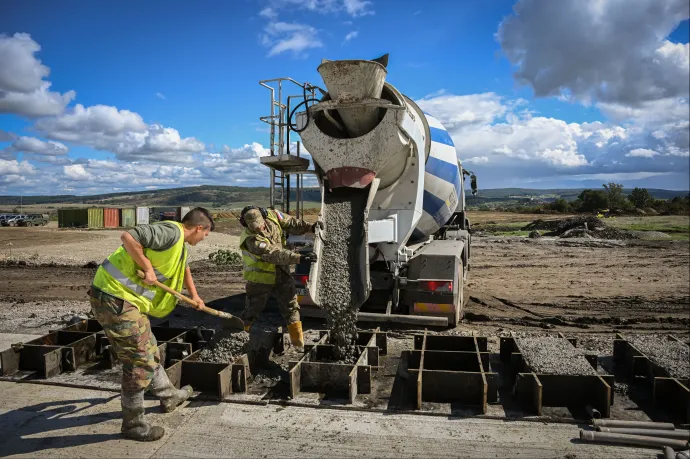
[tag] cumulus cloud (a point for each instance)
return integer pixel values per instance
(642, 153)
(38, 147)
(23, 89)
(13, 171)
(122, 132)
(503, 139)
(282, 37)
(602, 50)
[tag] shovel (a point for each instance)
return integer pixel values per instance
(230, 322)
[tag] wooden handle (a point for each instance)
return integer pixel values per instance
(206, 309)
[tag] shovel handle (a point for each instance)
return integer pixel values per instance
(186, 299)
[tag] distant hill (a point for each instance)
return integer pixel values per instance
(235, 196)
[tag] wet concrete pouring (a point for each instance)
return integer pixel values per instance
(339, 284)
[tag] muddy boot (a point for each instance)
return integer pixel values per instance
(248, 326)
(296, 336)
(134, 426)
(169, 396)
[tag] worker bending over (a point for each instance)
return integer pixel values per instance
(267, 265)
(122, 302)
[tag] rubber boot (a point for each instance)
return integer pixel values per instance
(169, 395)
(134, 426)
(296, 335)
(248, 326)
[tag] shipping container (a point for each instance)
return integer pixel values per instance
(95, 217)
(73, 218)
(128, 217)
(183, 212)
(143, 215)
(165, 213)
(111, 217)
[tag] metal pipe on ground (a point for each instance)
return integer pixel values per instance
(622, 439)
(633, 424)
(678, 434)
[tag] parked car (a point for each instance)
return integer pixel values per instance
(34, 220)
(12, 221)
(5, 216)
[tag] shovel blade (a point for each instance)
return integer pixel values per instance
(235, 323)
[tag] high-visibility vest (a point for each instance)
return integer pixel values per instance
(256, 269)
(117, 276)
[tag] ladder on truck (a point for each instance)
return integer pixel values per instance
(285, 159)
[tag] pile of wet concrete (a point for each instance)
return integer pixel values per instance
(225, 347)
(587, 226)
(553, 356)
(339, 286)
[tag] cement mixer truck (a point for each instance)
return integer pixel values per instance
(372, 144)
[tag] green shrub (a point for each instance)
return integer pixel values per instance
(225, 258)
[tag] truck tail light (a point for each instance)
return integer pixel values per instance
(302, 279)
(436, 286)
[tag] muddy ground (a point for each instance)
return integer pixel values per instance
(514, 284)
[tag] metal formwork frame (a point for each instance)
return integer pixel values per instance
(669, 393)
(536, 390)
(451, 369)
(312, 373)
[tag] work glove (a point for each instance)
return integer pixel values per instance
(315, 225)
(308, 258)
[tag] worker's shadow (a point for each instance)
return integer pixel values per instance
(23, 430)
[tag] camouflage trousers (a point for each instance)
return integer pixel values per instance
(283, 291)
(129, 332)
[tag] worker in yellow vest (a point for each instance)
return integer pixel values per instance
(122, 302)
(267, 265)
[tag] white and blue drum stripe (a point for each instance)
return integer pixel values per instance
(441, 181)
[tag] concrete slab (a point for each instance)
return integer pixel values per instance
(8, 339)
(46, 421)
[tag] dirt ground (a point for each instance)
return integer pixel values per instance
(514, 283)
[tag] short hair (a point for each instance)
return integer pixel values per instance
(199, 216)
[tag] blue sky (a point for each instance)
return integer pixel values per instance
(557, 94)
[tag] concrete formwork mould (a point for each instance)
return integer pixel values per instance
(451, 369)
(317, 372)
(537, 390)
(670, 394)
(84, 344)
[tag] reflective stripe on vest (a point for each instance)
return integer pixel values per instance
(124, 280)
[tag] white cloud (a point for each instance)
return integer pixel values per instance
(268, 13)
(282, 37)
(456, 112)
(38, 147)
(23, 90)
(161, 96)
(642, 153)
(121, 132)
(356, 8)
(13, 172)
(7, 136)
(351, 35)
(476, 160)
(604, 50)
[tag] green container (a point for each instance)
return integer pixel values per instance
(95, 217)
(73, 218)
(128, 217)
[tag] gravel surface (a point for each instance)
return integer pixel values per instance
(555, 356)
(76, 248)
(668, 354)
(44, 315)
(225, 346)
(339, 281)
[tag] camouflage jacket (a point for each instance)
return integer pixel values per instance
(269, 244)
